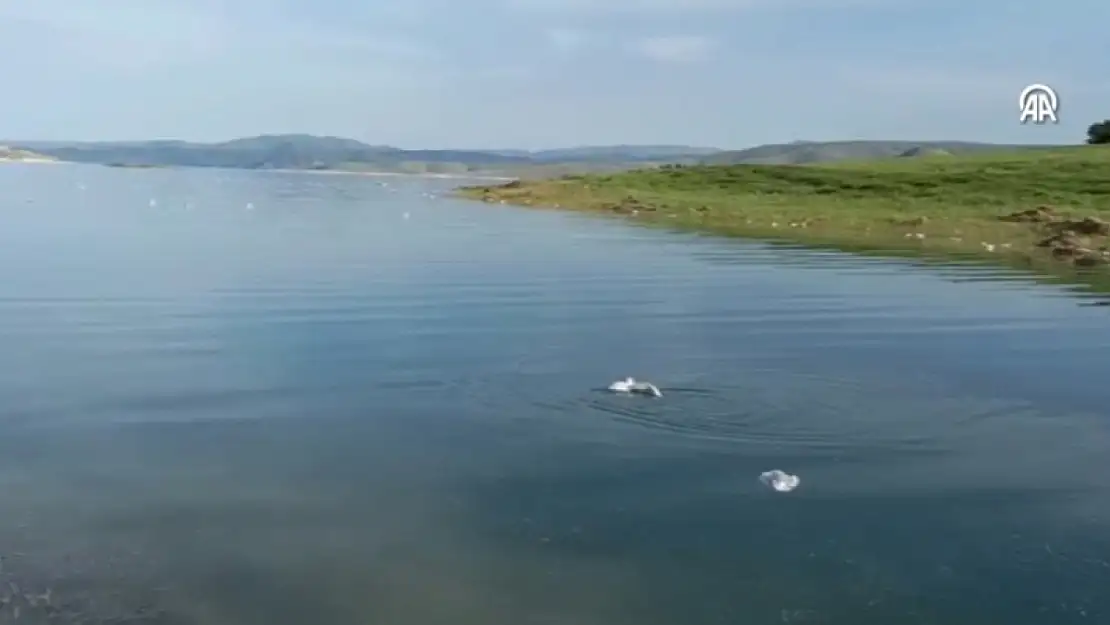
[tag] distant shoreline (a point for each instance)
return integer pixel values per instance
(338, 172)
(350, 172)
(331, 154)
(1047, 210)
(34, 160)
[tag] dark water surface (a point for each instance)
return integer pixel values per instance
(271, 398)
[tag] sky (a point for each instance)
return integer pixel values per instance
(538, 74)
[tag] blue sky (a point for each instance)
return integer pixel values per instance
(549, 73)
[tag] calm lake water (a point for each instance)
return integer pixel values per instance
(270, 398)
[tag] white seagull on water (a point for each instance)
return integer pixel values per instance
(630, 385)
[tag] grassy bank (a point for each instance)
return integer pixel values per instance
(1043, 209)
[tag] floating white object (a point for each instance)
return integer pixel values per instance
(630, 385)
(779, 480)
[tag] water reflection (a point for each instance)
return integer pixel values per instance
(317, 411)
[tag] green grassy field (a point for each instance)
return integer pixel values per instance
(942, 205)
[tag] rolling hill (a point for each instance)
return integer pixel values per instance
(803, 152)
(299, 151)
(310, 152)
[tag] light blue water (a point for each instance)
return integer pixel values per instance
(272, 398)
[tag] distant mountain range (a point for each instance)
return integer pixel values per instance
(299, 151)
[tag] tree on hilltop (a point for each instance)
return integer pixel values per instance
(1099, 133)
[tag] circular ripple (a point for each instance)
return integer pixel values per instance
(815, 413)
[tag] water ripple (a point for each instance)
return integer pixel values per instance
(355, 411)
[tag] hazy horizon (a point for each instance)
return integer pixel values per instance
(495, 148)
(544, 74)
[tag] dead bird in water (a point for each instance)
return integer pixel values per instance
(630, 385)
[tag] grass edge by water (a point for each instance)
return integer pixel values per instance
(1039, 211)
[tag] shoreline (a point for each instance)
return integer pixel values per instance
(352, 172)
(31, 161)
(1048, 212)
(334, 172)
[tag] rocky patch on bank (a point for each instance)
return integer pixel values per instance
(1082, 241)
(630, 206)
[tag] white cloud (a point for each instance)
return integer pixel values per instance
(135, 36)
(660, 6)
(970, 85)
(627, 5)
(567, 40)
(674, 48)
(123, 34)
